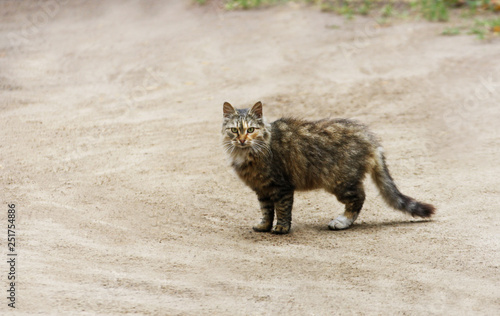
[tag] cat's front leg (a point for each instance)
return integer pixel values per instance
(267, 208)
(283, 213)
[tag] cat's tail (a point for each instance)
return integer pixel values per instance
(390, 192)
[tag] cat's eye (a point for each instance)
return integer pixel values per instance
(234, 130)
(250, 130)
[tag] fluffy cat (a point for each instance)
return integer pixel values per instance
(290, 154)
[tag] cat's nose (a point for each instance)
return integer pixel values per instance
(242, 141)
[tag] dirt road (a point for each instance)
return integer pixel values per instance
(124, 203)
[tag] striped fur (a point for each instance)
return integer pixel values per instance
(277, 159)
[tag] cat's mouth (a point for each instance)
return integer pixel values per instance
(243, 146)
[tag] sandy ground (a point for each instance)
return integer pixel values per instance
(110, 149)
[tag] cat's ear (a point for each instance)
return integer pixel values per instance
(257, 109)
(228, 109)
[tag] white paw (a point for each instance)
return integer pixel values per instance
(340, 222)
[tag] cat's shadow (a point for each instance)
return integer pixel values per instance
(300, 230)
(367, 227)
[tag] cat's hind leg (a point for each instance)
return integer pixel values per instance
(353, 198)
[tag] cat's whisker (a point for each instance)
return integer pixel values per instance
(228, 147)
(262, 148)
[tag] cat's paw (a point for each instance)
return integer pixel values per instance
(280, 229)
(340, 222)
(263, 227)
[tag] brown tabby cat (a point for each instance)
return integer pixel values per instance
(289, 154)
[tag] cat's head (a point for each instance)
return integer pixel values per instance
(244, 129)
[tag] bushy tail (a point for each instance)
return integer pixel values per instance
(391, 194)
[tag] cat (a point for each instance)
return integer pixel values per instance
(290, 154)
